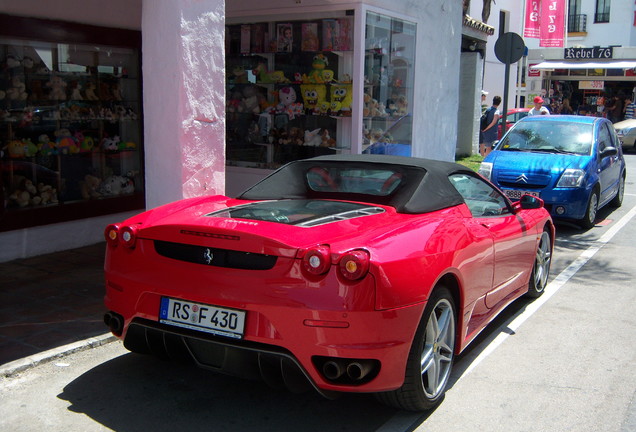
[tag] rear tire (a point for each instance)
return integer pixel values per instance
(541, 267)
(431, 357)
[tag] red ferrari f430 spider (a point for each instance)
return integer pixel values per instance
(351, 273)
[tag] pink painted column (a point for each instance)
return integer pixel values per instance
(184, 98)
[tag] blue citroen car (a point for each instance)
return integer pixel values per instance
(574, 164)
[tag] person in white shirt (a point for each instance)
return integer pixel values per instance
(538, 108)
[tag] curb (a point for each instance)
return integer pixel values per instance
(20, 365)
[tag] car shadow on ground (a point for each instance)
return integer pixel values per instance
(139, 393)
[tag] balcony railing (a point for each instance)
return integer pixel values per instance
(577, 23)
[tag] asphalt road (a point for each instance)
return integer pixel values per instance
(564, 362)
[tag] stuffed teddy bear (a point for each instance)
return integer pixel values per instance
(376, 135)
(89, 187)
(17, 91)
(326, 140)
(75, 91)
(374, 108)
(296, 136)
(47, 194)
(366, 109)
(21, 197)
(13, 62)
(58, 88)
(116, 185)
(90, 91)
(402, 105)
(250, 103)
(116, 92)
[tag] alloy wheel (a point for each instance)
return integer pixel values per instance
(542, 263)
(439, 343)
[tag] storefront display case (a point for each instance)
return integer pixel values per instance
(388, 85)
(70, 124)
(289, 90)
(297, 88)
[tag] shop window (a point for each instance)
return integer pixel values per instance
(288, 90)
(70, 123)
(388, 85)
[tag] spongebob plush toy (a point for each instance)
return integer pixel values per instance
(313, 95)
(341, 99)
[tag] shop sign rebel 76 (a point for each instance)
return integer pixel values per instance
(588, 53)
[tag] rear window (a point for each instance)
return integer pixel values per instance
(380, 182)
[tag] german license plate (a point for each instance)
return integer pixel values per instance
(202, 317)
(517, 194)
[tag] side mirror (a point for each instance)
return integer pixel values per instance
(609, 151)
(529, 202)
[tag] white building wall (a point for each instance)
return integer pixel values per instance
(184, 99)
(494, 70)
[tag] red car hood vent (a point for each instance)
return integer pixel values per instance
(214, 256)
(298, 212)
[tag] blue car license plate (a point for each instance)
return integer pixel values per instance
(207, 318)
(517, 194)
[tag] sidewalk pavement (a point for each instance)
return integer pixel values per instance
(51, 304)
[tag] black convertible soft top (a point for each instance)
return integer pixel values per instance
(426, 187)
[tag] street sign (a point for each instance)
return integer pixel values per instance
(509, 48)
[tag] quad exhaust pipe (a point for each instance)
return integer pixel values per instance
(115, 322)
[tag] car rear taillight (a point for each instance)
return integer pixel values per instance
(111, 233)
(354, 264)
(317, 260)
(128, 236)
(125, 235)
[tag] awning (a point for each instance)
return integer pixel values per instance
(627, 64)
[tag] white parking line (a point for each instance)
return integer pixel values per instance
(403, 421)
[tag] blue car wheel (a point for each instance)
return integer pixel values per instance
(590, 213)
